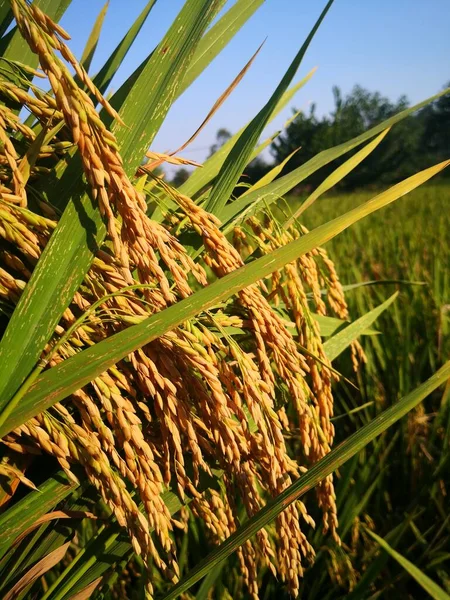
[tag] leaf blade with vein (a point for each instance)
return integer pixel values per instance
(242, 150)
(71, 249)
(57, 383)
(432, 588)
(339, 342)
(91, 45)
(36, 571)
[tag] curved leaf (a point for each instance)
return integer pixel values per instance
(70, 375)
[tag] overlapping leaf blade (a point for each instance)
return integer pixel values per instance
(202, 177)
(284, 184)
(107, 72)
(339, 342)
(240, 154)
(431, 587)
(13, 46)
(70, 375)
(34, 505)
(71, 249)
(91, 45)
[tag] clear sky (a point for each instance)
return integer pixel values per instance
(392, 46)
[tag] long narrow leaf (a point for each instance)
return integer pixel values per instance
(271, 174)
(241, 151)
(150, 98)
(432, 588)
(71, 249)
(360, 592)
(284, 184)
(32, 507)
(214, 40)
(44, 565)
(342, 340)
(91, 45)
(339, 174)
(209, 47)
(106, 73)
(13, 46)
(6, 16)
(218, 36)
(70, 375)
(201, 177)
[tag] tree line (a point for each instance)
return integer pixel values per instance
(413, 144)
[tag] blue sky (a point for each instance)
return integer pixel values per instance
(392, 46)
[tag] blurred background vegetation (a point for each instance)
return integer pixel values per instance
(416, 143)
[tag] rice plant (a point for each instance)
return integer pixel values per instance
(167, 354)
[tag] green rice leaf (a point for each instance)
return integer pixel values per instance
(58, 382)
(208, 48)
(240, 153)
(218, 36)
(432, 588)
(209, 581)
(342, 340)
(339, 174)
(6, 16)
(357, 286)
(361, 591)
(107, 72)
(13, 47)
(331, 325)
(72, 247)
(35, 504)
(202, 177)
(284, 184)
(271, 174)
(91, 45)
(154, 91)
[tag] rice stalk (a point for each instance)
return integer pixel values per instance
(179, 406)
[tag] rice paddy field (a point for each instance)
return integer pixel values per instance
(191, 404)
(398, 486)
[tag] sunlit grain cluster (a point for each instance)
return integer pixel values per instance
(223, 391)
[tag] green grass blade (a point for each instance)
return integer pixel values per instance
(60, 381)
(342, 340)
(208, 48)
(154, 91)
(240, 154)
(284, 184)
(201, 177)
(109, 546)
(357, 286)
(6, 16)
(91, 45)
(214, 40)
(432, 588)
(31, 575)
(209, 581)
(331, 325)
(339, 174)
(57, 276)
(34, 505)
(316, 473)
(362, 589)
(271, 174)
(107, 72)
(71, 249)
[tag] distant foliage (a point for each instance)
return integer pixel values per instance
(415, 143)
